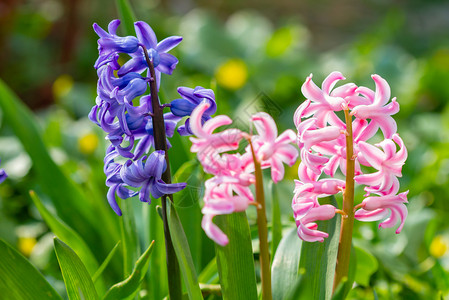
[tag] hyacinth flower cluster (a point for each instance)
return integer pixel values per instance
(229, 190)
(3, 175)
(323, 140)
(126, 114)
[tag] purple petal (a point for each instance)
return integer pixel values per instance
(112, 27)
(100, 31)
(167, 63)
(165, 189)
(169, 43)
(112, 201)
(136, 64)
(145, 34)
(155, 164)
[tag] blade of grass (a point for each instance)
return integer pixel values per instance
(77, 280)
(105, 263)
(73, 240)
(235, 261)
(20, 279)
(318, 260)
(128, 288)
(66, 196)
(183, 253)
(276, 229)
(286, 264)
(126, 14)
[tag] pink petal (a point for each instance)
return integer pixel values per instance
(373, 155)
(195, 119)
(215, 122)
(311, 91)
(265, 125)
(383, 93)
(213, 232)
(330, 81)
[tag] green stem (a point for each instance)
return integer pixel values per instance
(347, 224)
(160, 143)
(264, 256)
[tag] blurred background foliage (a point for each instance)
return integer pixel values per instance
(255, 55)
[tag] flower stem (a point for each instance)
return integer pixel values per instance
(160, 143)
(347, 223)
(264, 256)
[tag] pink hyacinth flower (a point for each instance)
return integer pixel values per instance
(309, 134)
(378, 110)
(388, 163)
(324, 104)
(307, 228)
(207, 144)
(221, 200)
(377, 208)
(272, 150)
(308, 184)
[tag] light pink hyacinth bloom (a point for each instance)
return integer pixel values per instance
(322, 141)
(229, 190)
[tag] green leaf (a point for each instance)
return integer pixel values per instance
(129, 287)
(210, 273)
(19, 279)
(126, 14)
(188, 208)
(128, 233)
(276, 231)
(64, 232)
(318, 260)
(285, 265)
(77, 280)
(235, 261)
(105, 263)
(345, 285)
(366, 266)
(183, 253)
(66, 196)
(158, 266)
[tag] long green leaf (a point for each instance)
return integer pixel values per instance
(56, 184)
(128, 232)
(64, 232)
(130, 286)
(19, 279)
(77, 280)
(188, 208)
(105, 263)
(126, 14)
(318, 260)
(158, 267)
(235, 261)
(183, 253)
(285, 265)
(210, 273)
(345, 285)
(276, 228)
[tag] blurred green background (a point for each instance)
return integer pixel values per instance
(255, 55)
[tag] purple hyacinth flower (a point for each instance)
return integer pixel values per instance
(114, 181)
(110, 43)
(191, 98)
(157, 52)
(3, 175)
(147, 176)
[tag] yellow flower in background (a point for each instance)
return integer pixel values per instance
(62, 86)
(88, 143)
(26, 245)
(232, 74)
(438, 246)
